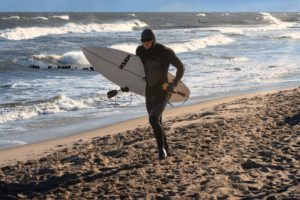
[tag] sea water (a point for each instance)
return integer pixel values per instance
(49, 90)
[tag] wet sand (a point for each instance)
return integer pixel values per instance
(246, 148)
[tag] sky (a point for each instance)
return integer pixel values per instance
(150, 6)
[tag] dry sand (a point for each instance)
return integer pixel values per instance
(248, 148)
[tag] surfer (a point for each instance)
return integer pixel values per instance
(156, 59)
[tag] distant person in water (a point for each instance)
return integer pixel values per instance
(157, 59)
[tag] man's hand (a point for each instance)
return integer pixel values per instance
(169, 86)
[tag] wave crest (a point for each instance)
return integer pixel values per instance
(11, 17)
(270, 18)
(191, 45)
(20, 33)
(71, 57)
(26, 110)
(276, 24)
(200, 43)
(201, 15)
(63, 17)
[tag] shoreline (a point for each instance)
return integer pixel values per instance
(42, 148)
(87, 124)
(242, 147)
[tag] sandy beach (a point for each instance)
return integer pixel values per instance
(244, 147)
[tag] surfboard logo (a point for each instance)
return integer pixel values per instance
(125, 61)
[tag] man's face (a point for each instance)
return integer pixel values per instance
(148, 44)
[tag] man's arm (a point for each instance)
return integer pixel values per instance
(176, 62)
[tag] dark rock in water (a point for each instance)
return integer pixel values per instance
(33, 66)
(63, 66)
(237, 69)
(89, 68)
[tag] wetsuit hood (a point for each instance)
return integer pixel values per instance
(148, 35)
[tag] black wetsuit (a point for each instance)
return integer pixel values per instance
(156, 62)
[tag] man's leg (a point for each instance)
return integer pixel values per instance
(156, 123)
(166, 146)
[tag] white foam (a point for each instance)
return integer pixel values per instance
(276, 24)
(16, 115)
(269, 18)
(74, 57)
(29, 33)
(18, 142)
(42, 18)
(191, 45)
(64, 17)
(201, 15)
(237, 59)
(196, 44)
(57, 104)
(34, 32)
(240, 59)
(53, 58)
(132, 15)
(11, 17)
(71, 57)
(231, 30)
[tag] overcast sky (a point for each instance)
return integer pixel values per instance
(150, 5)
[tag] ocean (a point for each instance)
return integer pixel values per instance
(48, 89)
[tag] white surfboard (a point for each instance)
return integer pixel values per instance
(126, 70)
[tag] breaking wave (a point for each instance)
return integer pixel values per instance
(71, 57)
(11, 17)
(201, 15)
(26, 110)
(63, 17)
(182, 47)
(20, 33)
(275, 24)
(235, 59)
(11, 142)
(41, 18)
(16, 17)
(200, 43)
(270, 18)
